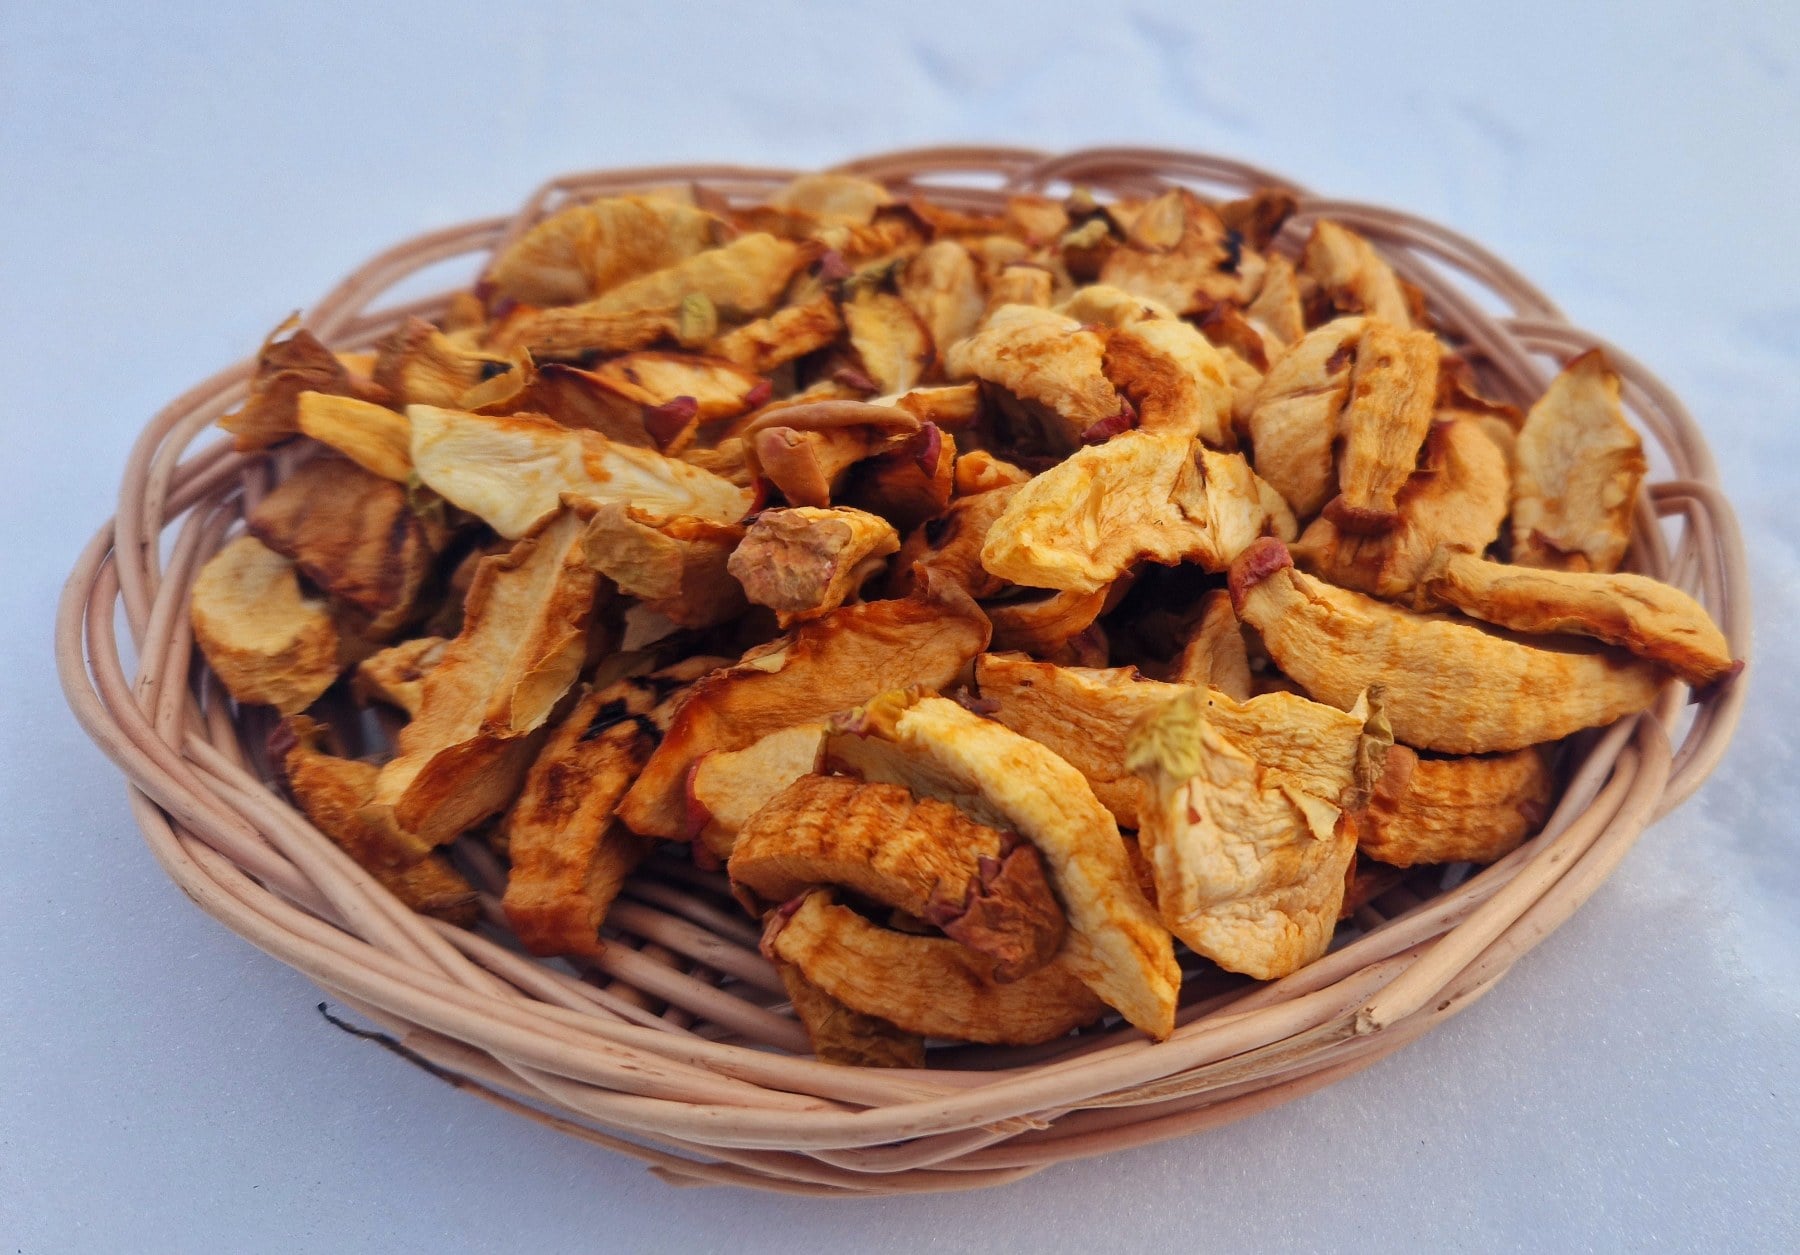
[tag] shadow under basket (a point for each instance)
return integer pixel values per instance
(677, 1047)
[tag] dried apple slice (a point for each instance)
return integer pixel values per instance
(919, 856)
(943, 288)
(1046, 360)
(1277, 311)
(1082, 714)
(726, 787)
(396, 675)
(1116, 945)
(284, 370)
(353, 534)
(843, 1036)
(805, 562)
(740, 280)
(782, 336)
(1393, 395)
(264, 638)
(807, 450)
(979, 471)
(1351, 276)
(890, 340)
(1214, 655)
(1297, 411)
(332, 790)
(372, 436)
(1651, 619)
(569, 856)
(512, 472)
(420, 365)
(1451, 685)
(1174, 376)
(1579, 464)
(1458, 498)
(524, 637)
(582, 251)
(930, 986)
(833, 197)
(822, 667)
(676, 566)
(1453, 810)
(1244, 823)
(1143, 495)
(719, 388)
(1177, 252)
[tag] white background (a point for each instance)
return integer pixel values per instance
(175, 179)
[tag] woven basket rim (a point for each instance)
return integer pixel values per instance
(702, 1092)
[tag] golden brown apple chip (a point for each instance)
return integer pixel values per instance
(1045, 360)
(584, 250)
(523, 640)
(1451, 685)
(1023, 283)
(1244, 823)
(675, 566)
(1457, 498)
(930, 986)
(741, 280)
(1177, 380)
(1393, 395)
(951, 407)
(889, 339)
(332, 792)
(1177, 252)
(1297, 411)
(512, 472)
(1143, 495)
(719, 389)
(1214, 655)
(726, 787)
(1116, 945)
(1277, 312)
(979, 471)
(833, 197)
(420, 365)
(284, 370)
(1082, 714)
(1351, 277)
(569, 855)
(1579, 464)
(262, 636)
(1452, 810)
(822, 667)
(805, 562)
(396, 675)
(807, 451)
(354, 535)
(942, 286)
(910, 483)
(1651, 619)
(951, 545)
(1102, 305)
(920, 856)
(372, 436)
(784, 335)
(840, 1035)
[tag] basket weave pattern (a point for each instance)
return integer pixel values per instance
(675, 1047)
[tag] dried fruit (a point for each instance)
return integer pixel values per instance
(1451, 685)
(261, 635)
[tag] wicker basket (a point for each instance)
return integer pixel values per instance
(675, 1046)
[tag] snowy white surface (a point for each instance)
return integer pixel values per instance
(178, 177)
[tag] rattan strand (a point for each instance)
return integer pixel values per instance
(676, 1047)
